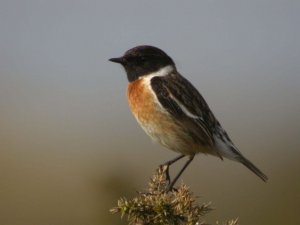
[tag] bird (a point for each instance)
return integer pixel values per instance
(172, 111)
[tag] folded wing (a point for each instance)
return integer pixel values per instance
(181, 99)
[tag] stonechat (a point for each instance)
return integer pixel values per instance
(171, 110)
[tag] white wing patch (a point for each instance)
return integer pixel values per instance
(160, 73)
(184, 109)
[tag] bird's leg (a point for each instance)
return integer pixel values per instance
(170, 186)
(169, 163)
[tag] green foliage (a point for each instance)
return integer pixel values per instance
(158, 207)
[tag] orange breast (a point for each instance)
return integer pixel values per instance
(141, 101)
(157, 122)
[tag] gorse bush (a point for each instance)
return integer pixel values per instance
(158, 207)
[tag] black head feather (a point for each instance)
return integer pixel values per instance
(143, 60)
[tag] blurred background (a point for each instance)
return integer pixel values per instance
(69, 146)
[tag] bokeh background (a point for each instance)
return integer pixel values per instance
(69, 146)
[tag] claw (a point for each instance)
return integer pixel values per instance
(171, 188)
(165, 169)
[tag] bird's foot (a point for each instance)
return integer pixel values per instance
(165, 169)
(171, 188)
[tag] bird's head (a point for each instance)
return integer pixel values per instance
(143, 60)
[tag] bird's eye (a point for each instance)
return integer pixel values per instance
(142, 59)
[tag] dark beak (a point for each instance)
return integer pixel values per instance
(117, 60)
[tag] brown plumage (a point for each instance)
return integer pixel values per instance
(171, 110)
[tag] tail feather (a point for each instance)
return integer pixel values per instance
(253, 168)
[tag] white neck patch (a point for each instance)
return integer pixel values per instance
(160, 73)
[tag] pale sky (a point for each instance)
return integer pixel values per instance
(63, 107)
